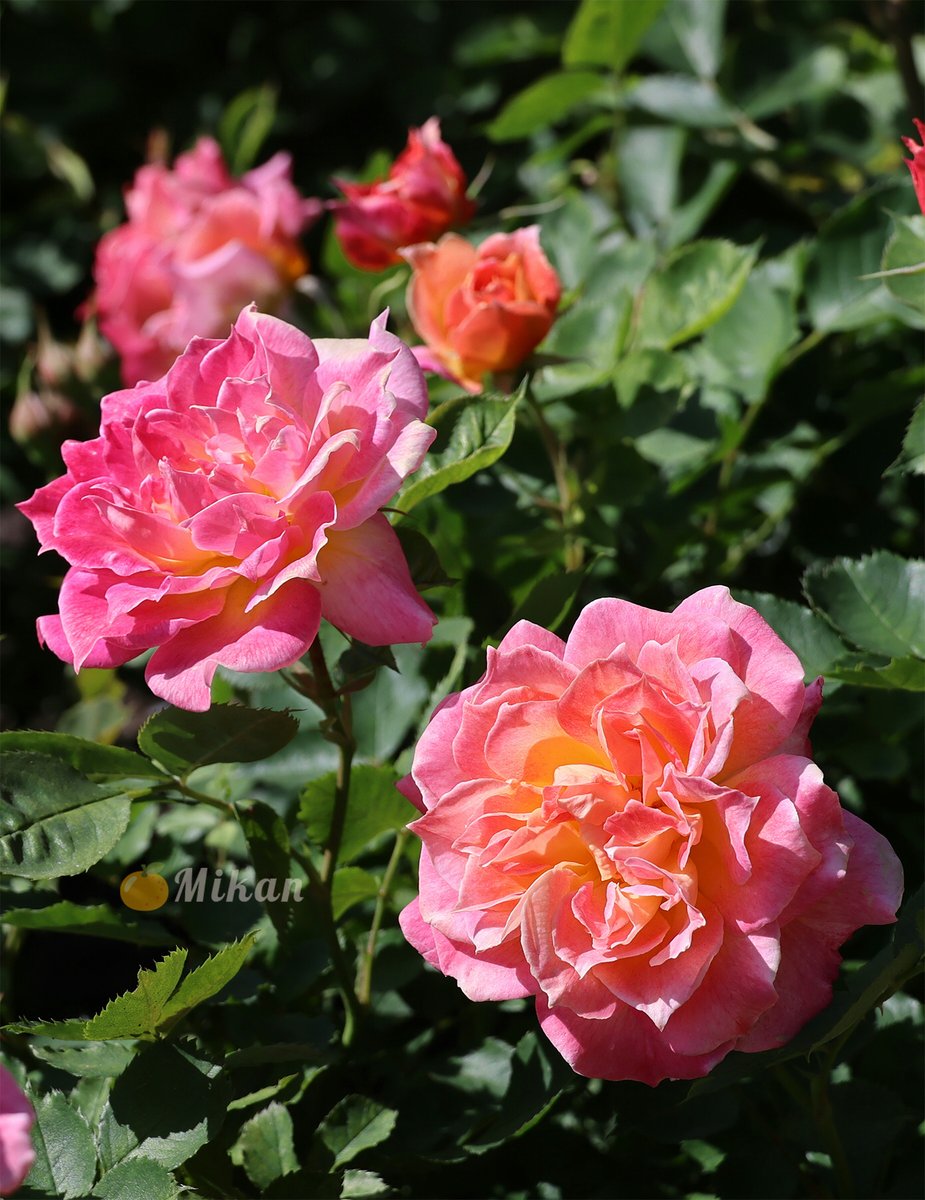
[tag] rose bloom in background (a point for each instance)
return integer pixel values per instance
(423, 196)
(916, 163)
(628, 827)
(16, 1121)
(226, 508)
(481, 310)
(198, 245)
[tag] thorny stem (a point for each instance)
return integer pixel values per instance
(574, 551)
(365, 973)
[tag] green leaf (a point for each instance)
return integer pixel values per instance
(906, 674)
(423, 561)
(53, 820)
(89, 1060)
(750, 341)
(877, 602)
(98, 763)
(65, 1157)
(375, 808)
(182, 741)
(606, 34)
(95, 920)
(356, 1124)
(164, 1106)
(141, 1010)
(351, 886)
(472, 434)
(265, 1147)
(649, 164)
(842, 291)
(683, 101)
(811, 638)
(245, 124)
(689, 36)
(905, 253)
(911, 460)
(137, 1179)
(547, 101)
(698, 285)
(209, 979)
(811, 74)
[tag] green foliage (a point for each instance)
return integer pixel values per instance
(181, 741)
(730, 394)
(355, 1124)
(375, 808)
(53, 820)
(472, 434)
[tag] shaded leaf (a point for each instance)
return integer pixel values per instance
(265, 1147)
(473, 434)
(98, 763)
(137, 1179)
(91, 1060)
(208, 979)
(911, 460)
(356, 1124)
(164, 1106)
(375, 808)
(181, 741)
(808, 635)
(351, 886)
(94, 920)
(904, 253)
(53, 820)
(65, 1157)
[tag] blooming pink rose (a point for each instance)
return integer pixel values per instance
(423, 196)
(16, 1121)
(226, 508)
(483, 309)
(916, 163)
(627, 826)
(198, 245)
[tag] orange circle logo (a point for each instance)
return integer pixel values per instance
(143, 890)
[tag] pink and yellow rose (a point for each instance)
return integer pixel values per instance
(423, 196)
(226, 508)
(481, 310)
(627, 826)
(198, 245)
(16, 1120)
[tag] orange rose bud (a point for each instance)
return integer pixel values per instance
(481, 309)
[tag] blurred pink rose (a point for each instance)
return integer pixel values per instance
(423, 196)
(226, 508)
(627, 827)
(916, 163)
(16, 1121)
(481, 310)
(198, 245)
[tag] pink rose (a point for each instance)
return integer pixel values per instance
(423, 196)
(198, 245)
(226, 508)
(16, 1121)
(627, 827)
(481, 310)
(916, 163)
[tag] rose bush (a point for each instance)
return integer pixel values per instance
(916, 163)
(198, 245)
(226, 508)
(16, 1120)
(628, 827)
(481, 309)
(423, 196)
